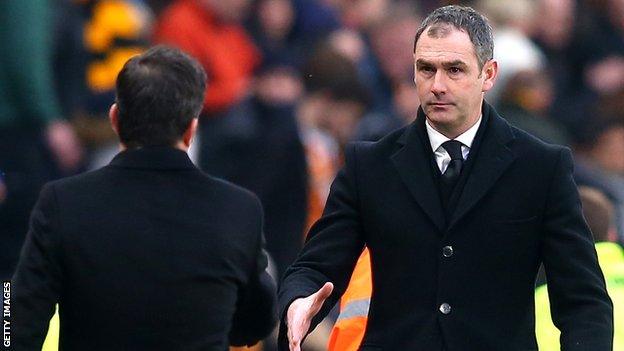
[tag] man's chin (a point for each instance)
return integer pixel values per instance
(439, 113)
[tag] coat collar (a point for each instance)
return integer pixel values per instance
(413, 162)
(153, 157)
(492, 159)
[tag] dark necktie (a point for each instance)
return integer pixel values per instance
(451, 175)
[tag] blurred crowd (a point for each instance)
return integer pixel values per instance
(290, 82)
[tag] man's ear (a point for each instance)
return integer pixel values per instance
(113, 116)
(490, 70)
(189, 134)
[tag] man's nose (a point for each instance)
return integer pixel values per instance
(439, 83)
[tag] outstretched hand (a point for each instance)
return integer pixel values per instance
(300, 314)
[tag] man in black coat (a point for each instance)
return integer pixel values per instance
(458, 210)
(148, 253)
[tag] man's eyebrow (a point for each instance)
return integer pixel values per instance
(421, 62)
(456, 63)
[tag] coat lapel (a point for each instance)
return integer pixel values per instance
(413, 164)
(492, 159)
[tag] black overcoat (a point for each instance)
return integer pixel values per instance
(148, 253)
(519, 207)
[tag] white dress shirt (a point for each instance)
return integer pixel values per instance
(436, 139)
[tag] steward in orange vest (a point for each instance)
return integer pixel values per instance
(351, 324)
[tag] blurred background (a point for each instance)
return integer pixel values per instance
(290, 82)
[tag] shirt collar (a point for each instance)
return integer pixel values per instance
(153, 157)
(466, 138)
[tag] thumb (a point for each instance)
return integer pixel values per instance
(323, 293)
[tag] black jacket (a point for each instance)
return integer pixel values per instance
(148, 253)
(519, 207)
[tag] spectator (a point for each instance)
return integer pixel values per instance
(513, 23)
(555, 34)
(598, 212)
(36, 143)
(94, 38)
(210, 31)
(601, 46)
(391, 42)
(525, 102)
(597, 164)
(273, 32)
(256, 145)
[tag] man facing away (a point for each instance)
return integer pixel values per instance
(148, 253)
(458, 211)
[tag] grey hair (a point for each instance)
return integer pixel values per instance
(465, 19)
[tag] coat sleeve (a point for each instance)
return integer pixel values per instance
(256, 311)
(579, 303)
(38, 277)
(332, 248)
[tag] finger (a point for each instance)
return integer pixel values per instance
(323, 293)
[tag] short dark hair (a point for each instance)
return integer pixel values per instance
(465, 19)
(158, 94)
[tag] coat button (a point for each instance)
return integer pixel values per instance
(445, 308)
(447, 251)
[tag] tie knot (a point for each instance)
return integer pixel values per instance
(453, 147)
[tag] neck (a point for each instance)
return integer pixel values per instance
(180, 145)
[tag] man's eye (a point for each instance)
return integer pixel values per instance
(455, 70)
(426, 69)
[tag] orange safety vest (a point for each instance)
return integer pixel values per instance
(349, 329)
